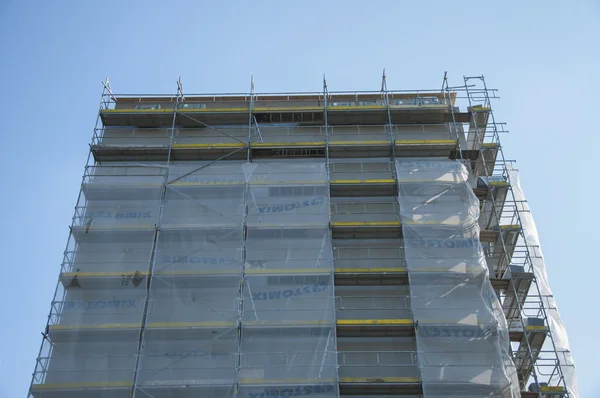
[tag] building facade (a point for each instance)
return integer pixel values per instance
(302, 244)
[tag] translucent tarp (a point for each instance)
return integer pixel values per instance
(75, 362)
(557, 328)
(191, 333)
(94, 252)
(271, 333)
(287, 133)
(287, 343)
(98, 309)
(462, 337)
(199, 250)
(288, 194)
(126, 136)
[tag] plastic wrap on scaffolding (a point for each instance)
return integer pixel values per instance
(557, 328)
(288, 336)
(96, 315)
(190, 337)
(462, 337)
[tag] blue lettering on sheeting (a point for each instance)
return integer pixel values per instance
(444, 243)
(446, 165)
(276, 209)
(215, 181)
(98, 304)
(290, 206)
(219, 181)
(119, 215)
(457, 331)
(185, 354)
(292, 391)
(287, 293)
(199, 260)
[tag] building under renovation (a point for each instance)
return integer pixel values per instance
(366, 244)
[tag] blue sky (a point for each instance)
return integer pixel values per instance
(542, 55)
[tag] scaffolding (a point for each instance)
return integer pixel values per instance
(324, 244)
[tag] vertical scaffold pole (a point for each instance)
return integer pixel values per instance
(152, 262)
(392, 138)
(390, 126)
(244, 231)
(498, 214)
(558, 369)
(332, 336)
(250, 116)
(454, 130)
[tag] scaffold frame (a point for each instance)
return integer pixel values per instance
(326, 123)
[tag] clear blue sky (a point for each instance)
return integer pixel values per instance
(542, 55)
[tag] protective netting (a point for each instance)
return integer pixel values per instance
(557, 328)
(462, 337)
(96, 316)
(191, 325)
(287, 345)
(240, 299)
(240, 302)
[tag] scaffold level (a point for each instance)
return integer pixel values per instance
(302, 244)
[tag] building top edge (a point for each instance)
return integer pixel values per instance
(332, 96)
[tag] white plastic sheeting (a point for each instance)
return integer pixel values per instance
(287, 342)
(462, 337)
(240, 302)
(270, 333)
(190, 328)
(557, 328)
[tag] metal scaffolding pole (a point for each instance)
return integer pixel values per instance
(498, 214)
(332, 336)
(148, 285)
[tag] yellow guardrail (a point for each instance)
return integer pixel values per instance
(365, 224)
(425, 142)
(358, 322)
(367, 270)
(379, 380)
